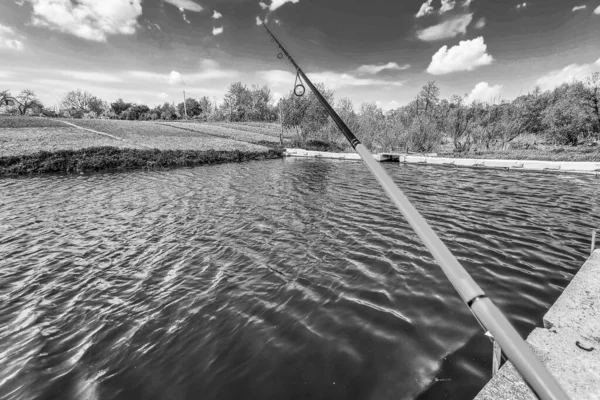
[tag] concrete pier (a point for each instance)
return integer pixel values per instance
(432, 159)
(569, 343)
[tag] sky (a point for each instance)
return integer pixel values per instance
(150, 51)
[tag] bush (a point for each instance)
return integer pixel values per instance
(423, 135)
(49, 113)
(565, 122)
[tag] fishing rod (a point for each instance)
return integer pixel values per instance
(539, 379)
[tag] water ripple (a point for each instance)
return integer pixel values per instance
(279, 279)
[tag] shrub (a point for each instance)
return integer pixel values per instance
(49, 113)
(423, 135)
(565, 122)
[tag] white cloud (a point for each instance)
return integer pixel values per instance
(5, 74)
(568, 74)
(217, 31)
(375, 69)
(484, 92)
(332, 80)
(522, 5)
(466, 56)
(390, 105)
(480, 23)
(9, 39)
(91, 76)
(278, 22)
(275, 4)
(577, 8)
(88, 19)
(208, 73)
(447, 29)
(217, 15)
(188, 5)
(426, 9)
(258, 21)
(208, 64)
(467, 3)
(162, 95)
(597, 10)
(175, 78)
(447, 5)
(263, 5)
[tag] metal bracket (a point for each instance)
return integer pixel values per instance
(496, 354)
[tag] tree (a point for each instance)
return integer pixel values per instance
(513, 120)
(565, 121)
(427, 98)
(192, 106)
(3, 96)
(591, 98)
(260, 98)
(487, 123)
(458, 118)
(423, 134)
(371, 124)
(79, 102)
(206, 106)
(237, 103)
(305, 113)
(28, 101)
(168, 111)
(119, 106)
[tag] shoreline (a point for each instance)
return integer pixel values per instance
(578, 167)
(96, 159)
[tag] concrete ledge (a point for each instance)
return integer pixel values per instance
(323, 154)
(531, 165)
(574, 319)
(577, 370)
(558, 166)
(578, 307)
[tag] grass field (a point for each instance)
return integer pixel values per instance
(21, 141)
(34, 145)
(227, 131)
(166, 137)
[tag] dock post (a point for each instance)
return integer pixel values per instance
(593, 246)
(496, 354)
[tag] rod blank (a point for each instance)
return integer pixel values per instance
(488, 315)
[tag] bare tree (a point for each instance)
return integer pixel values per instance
(512, 121)
(428, 98)
(457, 121)
(3, 96)
(28, 101)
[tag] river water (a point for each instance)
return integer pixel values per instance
(281, 279)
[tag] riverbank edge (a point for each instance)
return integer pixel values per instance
(580, 167)
(107, 158)
(568, 345)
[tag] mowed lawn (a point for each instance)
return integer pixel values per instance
(28, 135)
(23, 136)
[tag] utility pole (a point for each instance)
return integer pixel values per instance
(184, 105)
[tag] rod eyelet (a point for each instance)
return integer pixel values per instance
(299, 90)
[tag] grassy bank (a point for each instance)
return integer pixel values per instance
(37, 145)
(113, 158)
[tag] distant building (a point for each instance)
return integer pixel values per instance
(9, 105)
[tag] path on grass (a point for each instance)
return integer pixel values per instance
(105, 134)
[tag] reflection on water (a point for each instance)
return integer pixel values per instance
(285, 279)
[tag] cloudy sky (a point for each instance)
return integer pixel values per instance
(370, 51)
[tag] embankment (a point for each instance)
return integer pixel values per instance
(112, 158)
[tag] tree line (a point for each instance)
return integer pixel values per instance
(564, 115)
